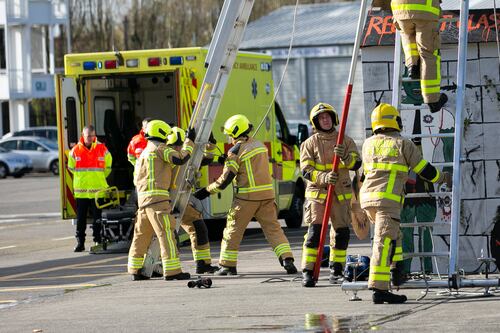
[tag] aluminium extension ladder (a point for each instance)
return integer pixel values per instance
(219, 63)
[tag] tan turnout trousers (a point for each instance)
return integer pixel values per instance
(155, 219)
(238, 217)
(192, 222)
(340, 217)
(387, 247)
(421, 42)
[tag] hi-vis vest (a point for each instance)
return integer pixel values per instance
(316, 156)
(90, 167)
(416, 9)
(250, 164)
(153, 171)
(387, 159)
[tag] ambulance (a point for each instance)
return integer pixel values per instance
(115, 91)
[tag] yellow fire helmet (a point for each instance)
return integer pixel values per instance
(386, 116)
(177, 137)
(158, 129)
(320, 108)
(237, 125)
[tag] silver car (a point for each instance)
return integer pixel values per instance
(13, 164)
(42, 151)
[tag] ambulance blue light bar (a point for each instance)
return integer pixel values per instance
(89, 65)
(176, 60)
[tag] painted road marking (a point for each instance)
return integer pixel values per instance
(52, 269)
(68, 276)
(7, 247)
(7, 301)
(25, 216)
(63, 238)
(65, 286)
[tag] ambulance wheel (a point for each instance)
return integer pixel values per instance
(293, 217)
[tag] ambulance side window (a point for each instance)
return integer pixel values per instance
(282, 132)
(71, 122)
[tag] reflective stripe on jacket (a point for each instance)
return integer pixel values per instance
(316, 155)
(136, 146)
(153, 171)
(250, 164)
(387, 159)
(90, 167)
(416, 9)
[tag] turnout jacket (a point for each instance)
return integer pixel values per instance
(387, 159)
(316, 156)
(411, 9)
(153, 170)
(248, 164)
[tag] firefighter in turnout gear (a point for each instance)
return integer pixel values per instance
(387, 158)
(137, 143)
(247, 164)
(192, 220)
(152, 178)
(90, 163)
(316, 155)
(418, 22)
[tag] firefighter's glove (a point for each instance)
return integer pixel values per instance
(211, 139)
(340, 151)
(332, 178)
(221, 159)
(191, 134)
(447, 179)
(201, 194)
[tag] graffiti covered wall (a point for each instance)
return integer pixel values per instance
(481, 170)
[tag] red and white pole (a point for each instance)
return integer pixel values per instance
(340, 138)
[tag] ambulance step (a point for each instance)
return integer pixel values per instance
(425, 254)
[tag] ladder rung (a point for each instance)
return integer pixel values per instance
(412, 107)
(443, 164)
(427, 194)
(435, 135)
(425, 254)
(424, 224)
(409, 79)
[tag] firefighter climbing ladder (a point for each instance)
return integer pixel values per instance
(219, 63)
(454, 281)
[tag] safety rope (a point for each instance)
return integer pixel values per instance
(284, 70)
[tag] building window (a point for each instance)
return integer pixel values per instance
(2, 49)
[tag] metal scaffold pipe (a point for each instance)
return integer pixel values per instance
(461, 75)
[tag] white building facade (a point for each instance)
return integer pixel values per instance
(27, 64)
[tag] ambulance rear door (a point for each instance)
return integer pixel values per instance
(69, 124)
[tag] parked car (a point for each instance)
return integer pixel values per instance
(13, 164)
(42, 151)
(49, 132)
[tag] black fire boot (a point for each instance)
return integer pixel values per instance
(289, 266)
(308, 278)
(202, 267)
(139, 276)
(223, 270)
(336, 273)
(436, 106)
(385, 296)
(397, 275)
(80, 246)
(414, 72)
(180, 276)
